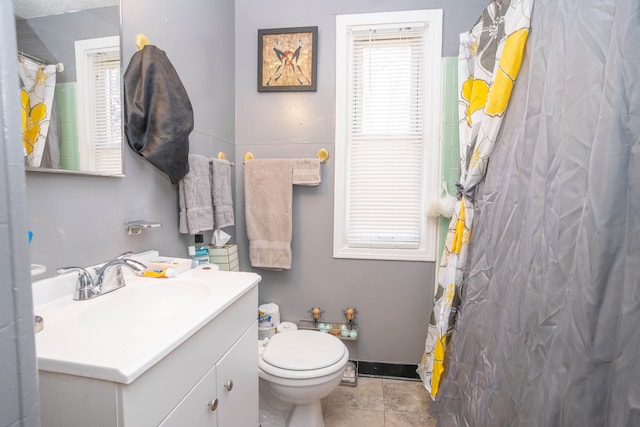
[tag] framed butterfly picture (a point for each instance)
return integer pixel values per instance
(287, 59)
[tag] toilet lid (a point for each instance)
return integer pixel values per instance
(303, 350)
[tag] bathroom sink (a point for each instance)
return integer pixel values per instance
(130, 306)
(119, 335)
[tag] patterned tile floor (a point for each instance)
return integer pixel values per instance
(378, 402)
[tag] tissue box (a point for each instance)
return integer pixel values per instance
(225, 257)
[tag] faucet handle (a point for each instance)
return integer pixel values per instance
(85, 288)
(134, 265)
(124, 255)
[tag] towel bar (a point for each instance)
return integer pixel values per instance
(322, 154)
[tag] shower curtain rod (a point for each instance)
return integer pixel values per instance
(59, 66)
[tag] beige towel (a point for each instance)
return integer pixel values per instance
(221, 193)
(268, 195)
(306, 172)
(194, 197)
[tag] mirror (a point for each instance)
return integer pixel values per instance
(78, 129)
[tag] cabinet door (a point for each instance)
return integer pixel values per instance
(237, 373)
(199, 407)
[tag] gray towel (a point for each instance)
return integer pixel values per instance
(268, 193)
(194, 197)
(222, 193)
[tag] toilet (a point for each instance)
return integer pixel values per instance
(297, 369)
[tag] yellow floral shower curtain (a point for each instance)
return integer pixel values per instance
(488, 64)
(36, 99)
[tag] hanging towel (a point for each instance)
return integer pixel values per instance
(306, 172)
(221, 193)
(158, 116)
(268, 196)
(194, 197)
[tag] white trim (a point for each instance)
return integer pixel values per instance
(432, 19)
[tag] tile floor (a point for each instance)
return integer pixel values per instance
(378, 402)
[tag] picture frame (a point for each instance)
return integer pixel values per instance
(287, 59)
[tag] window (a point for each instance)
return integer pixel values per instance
(387, 134)
(99, 106)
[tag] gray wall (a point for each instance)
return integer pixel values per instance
(42, 37)
(18, 384)
(393, 298)
(80, 220)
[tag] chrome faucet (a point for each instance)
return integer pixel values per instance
(108, 278)
(85, 288)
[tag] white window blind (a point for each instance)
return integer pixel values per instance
(106, 111)
(99, 104)
(385, 150)
(382, 137)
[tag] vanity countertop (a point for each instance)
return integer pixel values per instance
(118, 336)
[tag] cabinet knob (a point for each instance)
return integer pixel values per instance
(228, 385)
(213, 405)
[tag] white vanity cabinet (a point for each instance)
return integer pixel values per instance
(225, 396)
(209, 379)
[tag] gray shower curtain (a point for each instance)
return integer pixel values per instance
(548, 333)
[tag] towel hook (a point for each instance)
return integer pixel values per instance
(141, 41)
(248, 156)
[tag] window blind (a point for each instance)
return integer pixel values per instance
(106, 129)
(385, 169)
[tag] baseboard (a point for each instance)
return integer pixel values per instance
(387, 370)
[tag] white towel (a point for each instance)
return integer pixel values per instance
(194, 197)
(268, 197)
(306, 172)
(222, 193)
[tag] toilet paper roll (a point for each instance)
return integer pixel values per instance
(286, 327)
(268, 315)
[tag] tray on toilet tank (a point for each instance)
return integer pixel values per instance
(343, 330)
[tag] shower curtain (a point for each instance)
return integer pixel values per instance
(36, 99)
(488, 64)
(548, 330)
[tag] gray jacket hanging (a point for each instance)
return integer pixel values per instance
(158, 116)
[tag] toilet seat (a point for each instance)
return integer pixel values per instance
(303, 354)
